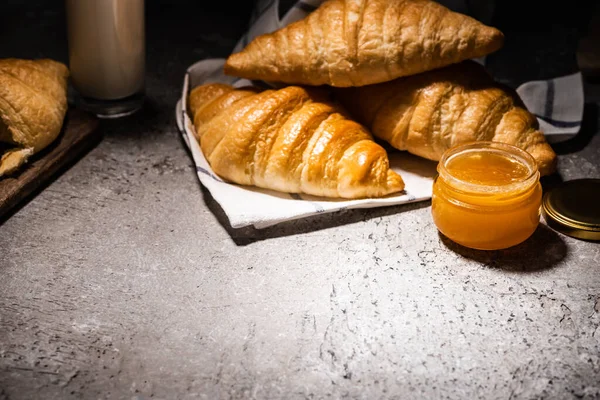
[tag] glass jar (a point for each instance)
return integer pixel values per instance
(487, 195)
(107, 55)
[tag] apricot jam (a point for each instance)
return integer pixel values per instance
(487, 195)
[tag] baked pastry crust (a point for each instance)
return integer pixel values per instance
(33, 104)
(361, 42)
(290, 140)
(430, 112)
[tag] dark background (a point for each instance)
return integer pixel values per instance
(542, 37)
(541, 41)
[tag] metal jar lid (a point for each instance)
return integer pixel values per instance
(573, 208)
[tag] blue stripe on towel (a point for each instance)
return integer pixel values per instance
(206, 172)
(245, 39)
(317, 207)
(558, 123)
(549, 106)
(549, 109)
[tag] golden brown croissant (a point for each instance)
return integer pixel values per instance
(33, 103)
(430, 112)
(290, 140)
(361, 42)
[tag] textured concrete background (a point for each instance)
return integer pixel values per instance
(108, 289)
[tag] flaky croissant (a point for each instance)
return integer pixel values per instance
(361, 42)
(33, 103)
(430, 112)
(289, 140)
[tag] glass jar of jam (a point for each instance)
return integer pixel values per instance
(487, 195)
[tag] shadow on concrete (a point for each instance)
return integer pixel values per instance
(248, 235)
(545, 249)
(148, 122)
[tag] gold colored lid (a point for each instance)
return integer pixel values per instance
(573, 208)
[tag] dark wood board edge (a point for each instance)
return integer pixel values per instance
(79, 134)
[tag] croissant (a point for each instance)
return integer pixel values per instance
(361, 42)
(33, 103)
(430, 112)
(289, 140)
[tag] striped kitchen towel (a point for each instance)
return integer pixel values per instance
(557, 103)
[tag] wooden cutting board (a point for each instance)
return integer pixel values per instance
(79, 134)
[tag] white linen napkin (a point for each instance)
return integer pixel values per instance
(557, 103)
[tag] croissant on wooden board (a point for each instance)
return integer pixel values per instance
(430, 112)
(361, 42)
(290, 140)
(33, 103)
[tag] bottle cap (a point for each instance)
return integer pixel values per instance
(573, 208)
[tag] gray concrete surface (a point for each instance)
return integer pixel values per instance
(123, 280)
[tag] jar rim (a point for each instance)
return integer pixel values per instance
(509, 150)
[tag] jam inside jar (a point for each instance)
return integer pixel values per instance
(487, 195)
